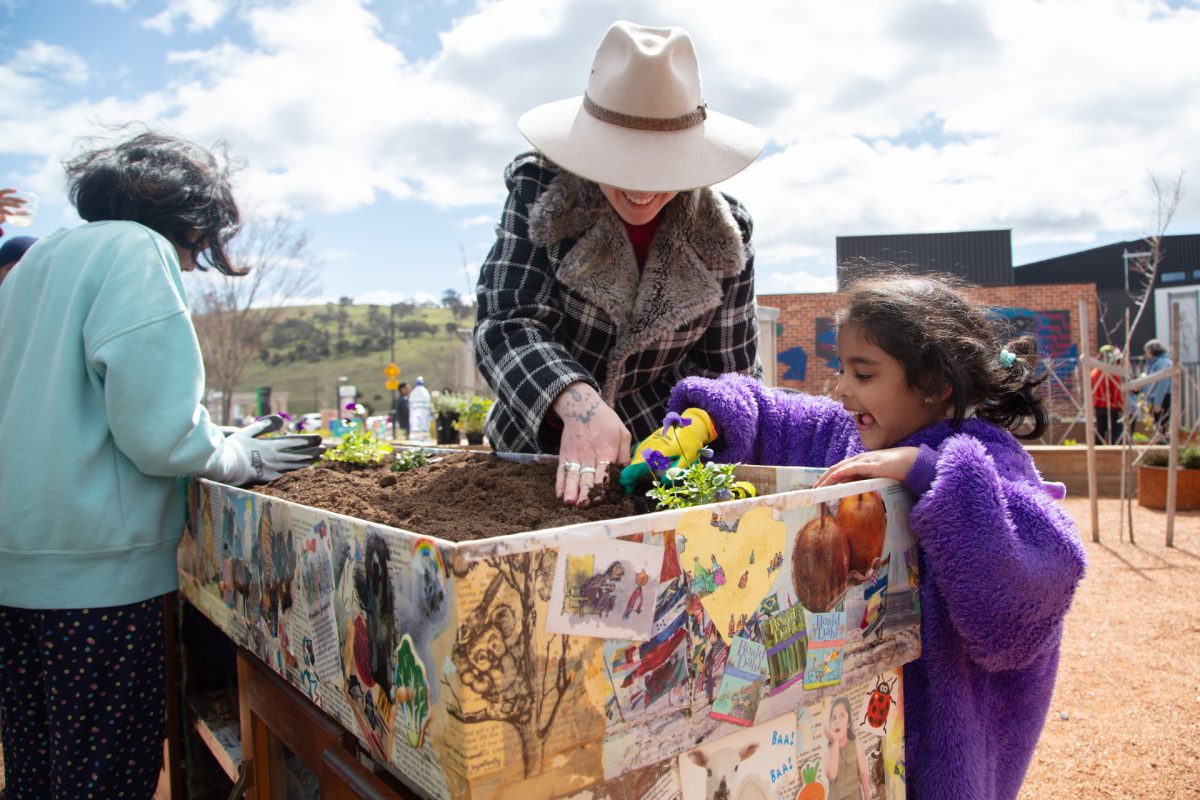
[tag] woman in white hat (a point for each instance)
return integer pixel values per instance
(616, 270)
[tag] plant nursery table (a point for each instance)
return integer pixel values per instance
(690, 653)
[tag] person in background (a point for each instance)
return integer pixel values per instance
(1108, 398)
(1158, 394)
(617, 270)
(400, 412)
(100, 413)
(11, 252)
(10, 201)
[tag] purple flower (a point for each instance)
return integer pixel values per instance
(656, 461)
(704, 452)
(299, 426)
(350, 406)
(673, 420)
(286, 415)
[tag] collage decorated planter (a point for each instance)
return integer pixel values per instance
(742, 650)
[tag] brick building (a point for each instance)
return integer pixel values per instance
(805, 348)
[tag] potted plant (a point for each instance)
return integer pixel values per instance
(1153, 472)
(471, 418)
(447, 407)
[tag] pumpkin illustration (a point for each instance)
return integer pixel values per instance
(820, 562)
(862, 519)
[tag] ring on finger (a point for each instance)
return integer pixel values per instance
(587, 470)
(572, 466)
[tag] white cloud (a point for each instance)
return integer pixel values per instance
(883, 116)
(198, 15)
(479, 219)
(41, 60)
(796, 281)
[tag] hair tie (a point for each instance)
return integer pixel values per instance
(1007, 358)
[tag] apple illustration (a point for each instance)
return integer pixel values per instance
(820, 562)
(862, 519)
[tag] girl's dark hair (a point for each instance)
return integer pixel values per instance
(168, 184)
(944, 339)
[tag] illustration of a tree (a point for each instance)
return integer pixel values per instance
(496, 655)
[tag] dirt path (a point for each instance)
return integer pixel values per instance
(1125, 720)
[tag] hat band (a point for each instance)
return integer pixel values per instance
(689, 120)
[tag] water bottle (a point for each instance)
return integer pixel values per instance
(420, 411)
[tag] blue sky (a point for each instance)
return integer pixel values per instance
(383, 128)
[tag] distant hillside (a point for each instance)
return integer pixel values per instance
(311, 347)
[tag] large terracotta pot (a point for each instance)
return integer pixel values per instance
(1152, 488)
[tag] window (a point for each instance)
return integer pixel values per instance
(1173, 277)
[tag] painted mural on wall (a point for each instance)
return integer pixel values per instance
(1052, 331)
(642, 655)
(825, 337)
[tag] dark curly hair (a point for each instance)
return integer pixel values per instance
(945, 340)
(168, 184)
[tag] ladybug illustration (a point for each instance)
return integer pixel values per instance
(880, 704)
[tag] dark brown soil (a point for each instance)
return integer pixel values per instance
(462, 497)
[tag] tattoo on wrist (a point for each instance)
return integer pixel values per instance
(583, 416)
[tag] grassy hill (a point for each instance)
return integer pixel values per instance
(311, 347)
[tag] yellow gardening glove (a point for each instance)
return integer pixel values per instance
(680, 440)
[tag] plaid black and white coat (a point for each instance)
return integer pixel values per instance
(560, 300)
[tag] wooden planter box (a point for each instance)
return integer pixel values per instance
(641, 657)
(1152, 488)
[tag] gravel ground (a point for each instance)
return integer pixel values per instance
(1125, 720)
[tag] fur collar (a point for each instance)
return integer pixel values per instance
(697, 245)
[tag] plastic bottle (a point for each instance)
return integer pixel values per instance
(420, 412)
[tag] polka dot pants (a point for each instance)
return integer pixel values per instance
(82, 695)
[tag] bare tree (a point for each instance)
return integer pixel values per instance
(1145, 265)
(232, 313)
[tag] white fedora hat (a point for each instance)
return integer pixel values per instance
(643, 124)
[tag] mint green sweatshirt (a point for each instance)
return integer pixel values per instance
(100, 386)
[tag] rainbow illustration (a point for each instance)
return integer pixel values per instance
(427, 547)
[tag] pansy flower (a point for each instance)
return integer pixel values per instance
(656, 461)
(673, 420)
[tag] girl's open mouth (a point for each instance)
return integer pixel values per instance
(864, 419)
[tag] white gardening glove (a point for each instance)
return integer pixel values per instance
(246, 459)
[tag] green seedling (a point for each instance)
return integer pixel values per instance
(697, 485)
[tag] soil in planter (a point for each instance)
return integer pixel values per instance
(462, 497)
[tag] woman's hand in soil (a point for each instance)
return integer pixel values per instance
(593, 437)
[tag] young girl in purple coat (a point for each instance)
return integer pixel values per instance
(928, 394)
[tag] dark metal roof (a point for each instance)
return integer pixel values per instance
(1105, 266)
(981, 257)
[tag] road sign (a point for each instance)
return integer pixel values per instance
(392, 385)
(393, 372)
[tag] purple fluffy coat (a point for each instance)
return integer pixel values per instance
(1000, 563)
